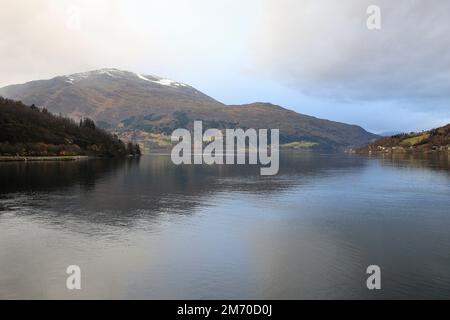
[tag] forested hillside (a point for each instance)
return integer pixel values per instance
(32, 131)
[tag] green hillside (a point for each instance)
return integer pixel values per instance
(427, 141)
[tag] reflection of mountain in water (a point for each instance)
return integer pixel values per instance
(120, 192)
(439, 161)
(54, 175)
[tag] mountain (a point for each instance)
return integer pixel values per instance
(390, 133)
(30, 131)
(298, 127)
(427, 141)
(142, 107)
(110, 95)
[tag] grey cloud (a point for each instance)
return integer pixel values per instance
(323, 48)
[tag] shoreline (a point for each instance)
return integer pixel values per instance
(42, 158)
(413, 152)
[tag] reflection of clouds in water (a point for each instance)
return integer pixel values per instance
(152, 230)
(380, 218)
(34, 258)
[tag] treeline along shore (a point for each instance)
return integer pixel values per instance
(46, 158)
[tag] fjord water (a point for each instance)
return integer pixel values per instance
(145, 228)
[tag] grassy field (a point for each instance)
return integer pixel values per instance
(415, 139)
(299, 145)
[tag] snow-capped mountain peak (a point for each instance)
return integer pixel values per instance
(110, 72)
(120, 74)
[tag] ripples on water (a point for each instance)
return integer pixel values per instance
(148, 229)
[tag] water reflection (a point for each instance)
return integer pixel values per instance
(435, 161)
(148, 229)
(116, 191)
(53, 175)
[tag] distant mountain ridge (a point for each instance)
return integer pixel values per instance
(134, 105)
(390, 133)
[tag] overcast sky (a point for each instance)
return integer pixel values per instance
(314, 56)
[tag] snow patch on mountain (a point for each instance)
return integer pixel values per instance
(110, 72)
(140, 76)
(162, 81)
(168, 82)
(70, 80)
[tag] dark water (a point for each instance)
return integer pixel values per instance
(148, 229)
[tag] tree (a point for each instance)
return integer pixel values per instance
(87, 123)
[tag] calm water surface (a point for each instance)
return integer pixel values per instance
(148, 229)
